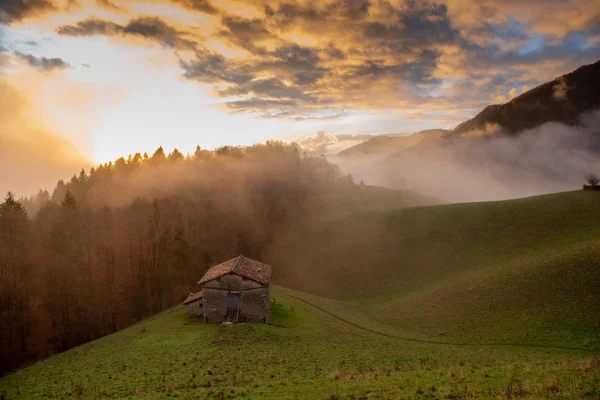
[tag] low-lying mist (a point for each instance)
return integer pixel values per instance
(490, 165)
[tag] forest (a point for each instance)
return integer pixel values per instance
(130, 238)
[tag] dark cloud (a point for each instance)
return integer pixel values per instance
(417, 27)
(271, 88)
(16, 10)
(204, 6)
(210, 67)
(43, 63)
(91, 27)
(307, 56)
(403, 50)
(148, 27)
(268, 108)
(245, 33)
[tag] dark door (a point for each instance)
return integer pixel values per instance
(233, 300)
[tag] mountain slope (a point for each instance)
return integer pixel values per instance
(561, 100)
(385, 145)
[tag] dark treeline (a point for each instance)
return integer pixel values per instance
(130, 238)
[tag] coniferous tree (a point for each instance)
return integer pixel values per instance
(176, 156)
(14, 301)
(126, 241)
(158, 157)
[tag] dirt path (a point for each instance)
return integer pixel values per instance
(533, 345)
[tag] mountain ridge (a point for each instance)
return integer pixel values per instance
(563, 99)
(388, 144)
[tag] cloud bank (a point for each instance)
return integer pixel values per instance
(479, 166)
(294, 59)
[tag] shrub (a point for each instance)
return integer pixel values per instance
(593, 179)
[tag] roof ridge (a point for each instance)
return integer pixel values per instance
(236, 263)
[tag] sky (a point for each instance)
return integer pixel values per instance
(106, 78)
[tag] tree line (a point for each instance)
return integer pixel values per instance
(130, 238)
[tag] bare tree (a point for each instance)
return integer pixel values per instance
(593, 179)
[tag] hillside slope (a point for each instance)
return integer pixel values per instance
(515, 271)
(316, 348)
(385, 145)
(481, 300)
(561, 100)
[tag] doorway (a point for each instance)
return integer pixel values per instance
(233, 300)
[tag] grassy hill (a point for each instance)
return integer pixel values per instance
(518, 271)
(316, 348)
(481, 300)
(367, 197)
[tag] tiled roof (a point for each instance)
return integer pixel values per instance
(193, 297)
(242, 266)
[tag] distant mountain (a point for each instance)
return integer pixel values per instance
(561, 100)
(387, 145)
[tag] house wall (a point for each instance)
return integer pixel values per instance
(255, 301)
(195, 308)
(232, 282)
(256, 306)
(215, 304)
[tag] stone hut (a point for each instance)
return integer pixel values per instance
(194, 304)
(237, 291)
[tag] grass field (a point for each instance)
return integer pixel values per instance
(316, 348)
(519, 271)
(485, 300)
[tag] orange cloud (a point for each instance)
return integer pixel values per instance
(295, 59)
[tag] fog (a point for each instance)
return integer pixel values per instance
(490, 165)
(31, 155)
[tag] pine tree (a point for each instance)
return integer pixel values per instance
(159, 154)
(14, 301)
(175, 156)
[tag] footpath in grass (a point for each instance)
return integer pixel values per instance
(316, 348)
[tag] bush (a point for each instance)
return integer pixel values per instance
(593, 179)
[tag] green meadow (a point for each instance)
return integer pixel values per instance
(495, 300)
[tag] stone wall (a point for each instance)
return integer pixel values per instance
(214, 304)
(232, 282)
(256, 306)
(255, 301)
(195, 308)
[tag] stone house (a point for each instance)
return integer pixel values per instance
(237, 291)
(193, 304)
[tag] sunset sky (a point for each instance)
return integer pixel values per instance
(107, 78)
